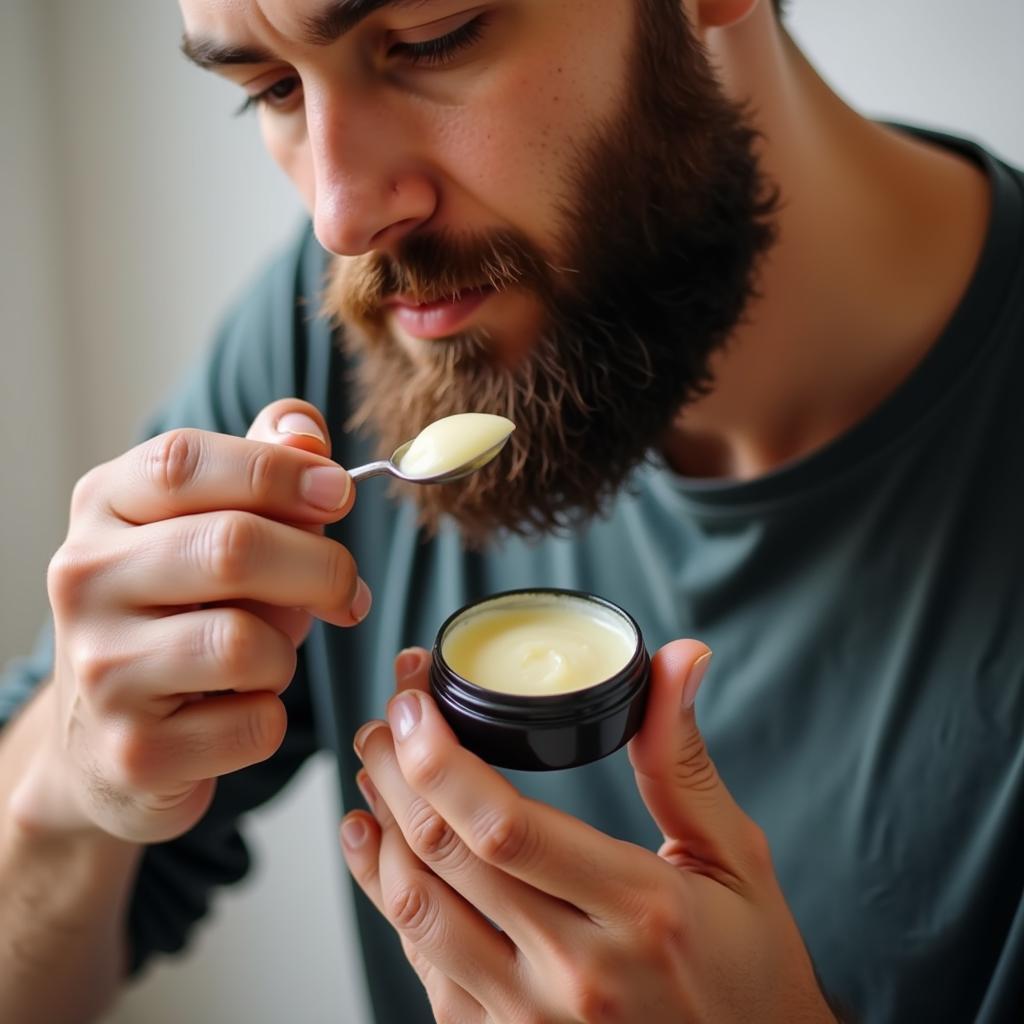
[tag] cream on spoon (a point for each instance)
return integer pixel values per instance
(447, 449)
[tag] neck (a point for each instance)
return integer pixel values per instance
(878, 238)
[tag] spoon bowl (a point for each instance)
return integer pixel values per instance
(389, 467)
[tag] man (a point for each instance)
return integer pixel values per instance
(639, 229)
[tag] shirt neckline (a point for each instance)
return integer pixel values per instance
(932, 379)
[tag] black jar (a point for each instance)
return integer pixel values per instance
(543, 733)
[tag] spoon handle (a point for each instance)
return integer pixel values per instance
(382, 468)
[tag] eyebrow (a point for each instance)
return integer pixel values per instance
(335, 19)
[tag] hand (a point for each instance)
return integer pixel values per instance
(589, 928)
(190, 571)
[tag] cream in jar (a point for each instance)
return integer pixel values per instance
(538, 647)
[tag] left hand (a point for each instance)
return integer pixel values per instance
(589, 928)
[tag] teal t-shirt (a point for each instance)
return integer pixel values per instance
(866, 609)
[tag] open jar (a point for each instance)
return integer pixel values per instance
(541, 679)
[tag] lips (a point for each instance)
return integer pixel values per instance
(438, 319)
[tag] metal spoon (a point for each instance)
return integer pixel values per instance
(389, 467)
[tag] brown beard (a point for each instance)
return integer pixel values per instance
(666, 218)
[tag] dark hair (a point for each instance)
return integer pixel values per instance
(780, 7)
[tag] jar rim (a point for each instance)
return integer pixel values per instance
(597, 697)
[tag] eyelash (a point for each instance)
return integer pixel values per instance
(260, 98)
(429, 53)
(435, 52)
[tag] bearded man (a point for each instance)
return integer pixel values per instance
(761, 356)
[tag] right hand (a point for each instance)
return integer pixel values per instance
(190, 572)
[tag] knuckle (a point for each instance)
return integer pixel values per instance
(589, 996)
(172, 461)
(503, 837)
(662, 930)
(261, 728)
(231, 641)
(411, 909)
(92, 666)
(259, 473)
(68, 574)
(431, 837)
(694, 769)
(229, 546)
(130, 759)
(86, 490)
(424, 767)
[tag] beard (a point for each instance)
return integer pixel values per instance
(665, 219)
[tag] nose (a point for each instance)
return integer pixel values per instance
(368, 191)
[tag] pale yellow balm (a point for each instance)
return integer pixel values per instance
(538, 648)
(451, 442)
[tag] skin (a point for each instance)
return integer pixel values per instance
(175, 637)
(592, 928)
(162, 592)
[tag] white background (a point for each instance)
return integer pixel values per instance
(132, 209)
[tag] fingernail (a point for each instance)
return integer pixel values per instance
(325, 487)
(300, 424)
(407, 662)
(404, 714)
(353, 832)
(362, 602)
(359, 740)
(368, 789)
(694, 679)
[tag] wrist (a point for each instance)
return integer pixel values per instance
(43, 806)
(40, 800)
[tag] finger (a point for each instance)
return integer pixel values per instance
(543, 847)
(202, 740)
(225, 556)
(449, 1002)
(187, 471)
(412, 670)
(194, 652)
(677, 778)
(532, 919)
(294, 423)
(445, 929)
(294, 623)
(360, 846)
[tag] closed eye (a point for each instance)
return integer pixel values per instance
(443, 49)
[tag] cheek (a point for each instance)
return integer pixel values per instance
(513, 148)
(506, 165)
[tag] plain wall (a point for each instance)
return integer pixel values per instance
(132, 209)
(34, 423)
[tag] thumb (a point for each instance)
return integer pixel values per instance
(677, 779)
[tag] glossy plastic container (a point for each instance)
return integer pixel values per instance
(543, 733)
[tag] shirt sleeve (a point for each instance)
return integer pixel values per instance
(258, 355)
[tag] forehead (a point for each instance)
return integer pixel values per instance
(288, 18)
(226, 19)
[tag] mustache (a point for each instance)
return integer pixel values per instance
(436, 266)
